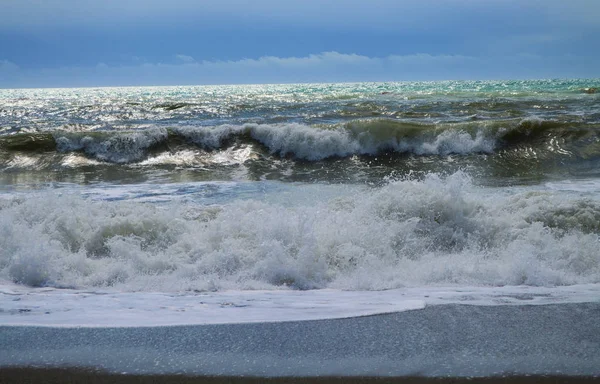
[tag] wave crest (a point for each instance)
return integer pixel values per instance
(114, 148)
(316, 143)
(356, 138)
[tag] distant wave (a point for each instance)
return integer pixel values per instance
(314, 143)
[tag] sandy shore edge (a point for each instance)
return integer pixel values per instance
(511, 344)
(24, 375)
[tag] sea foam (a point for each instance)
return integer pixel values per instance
(434, 231)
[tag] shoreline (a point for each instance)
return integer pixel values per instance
(79, 375)
(445, 341)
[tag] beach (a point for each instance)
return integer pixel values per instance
(446, 341)
(51, 376)
(418, 231)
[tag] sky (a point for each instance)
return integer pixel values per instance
(81, 43)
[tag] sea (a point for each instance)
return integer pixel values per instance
(254, 203)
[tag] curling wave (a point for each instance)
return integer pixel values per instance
(315, 143)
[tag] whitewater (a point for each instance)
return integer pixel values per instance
(173, 206)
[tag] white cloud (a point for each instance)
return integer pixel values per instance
(314, 60)
(185, 58)
(6, 66)
(322, 67)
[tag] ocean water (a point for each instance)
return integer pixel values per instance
(487, 186)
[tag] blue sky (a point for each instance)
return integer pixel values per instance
(69, 43)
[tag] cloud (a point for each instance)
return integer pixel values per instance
(322, 67)
(6, 66)
(185, 58)
(126, 33)
(314, 60)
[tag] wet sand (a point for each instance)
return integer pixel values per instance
(72, 376)
(449, 343)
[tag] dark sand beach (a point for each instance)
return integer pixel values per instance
(439, 344)
(52, 376)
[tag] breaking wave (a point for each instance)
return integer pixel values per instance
(315, 143)
(407, 233)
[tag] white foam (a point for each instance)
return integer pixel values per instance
(242, 236)
(455, 142)
(588, 186)
(108, 308)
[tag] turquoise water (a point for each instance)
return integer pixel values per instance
(503, 132)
